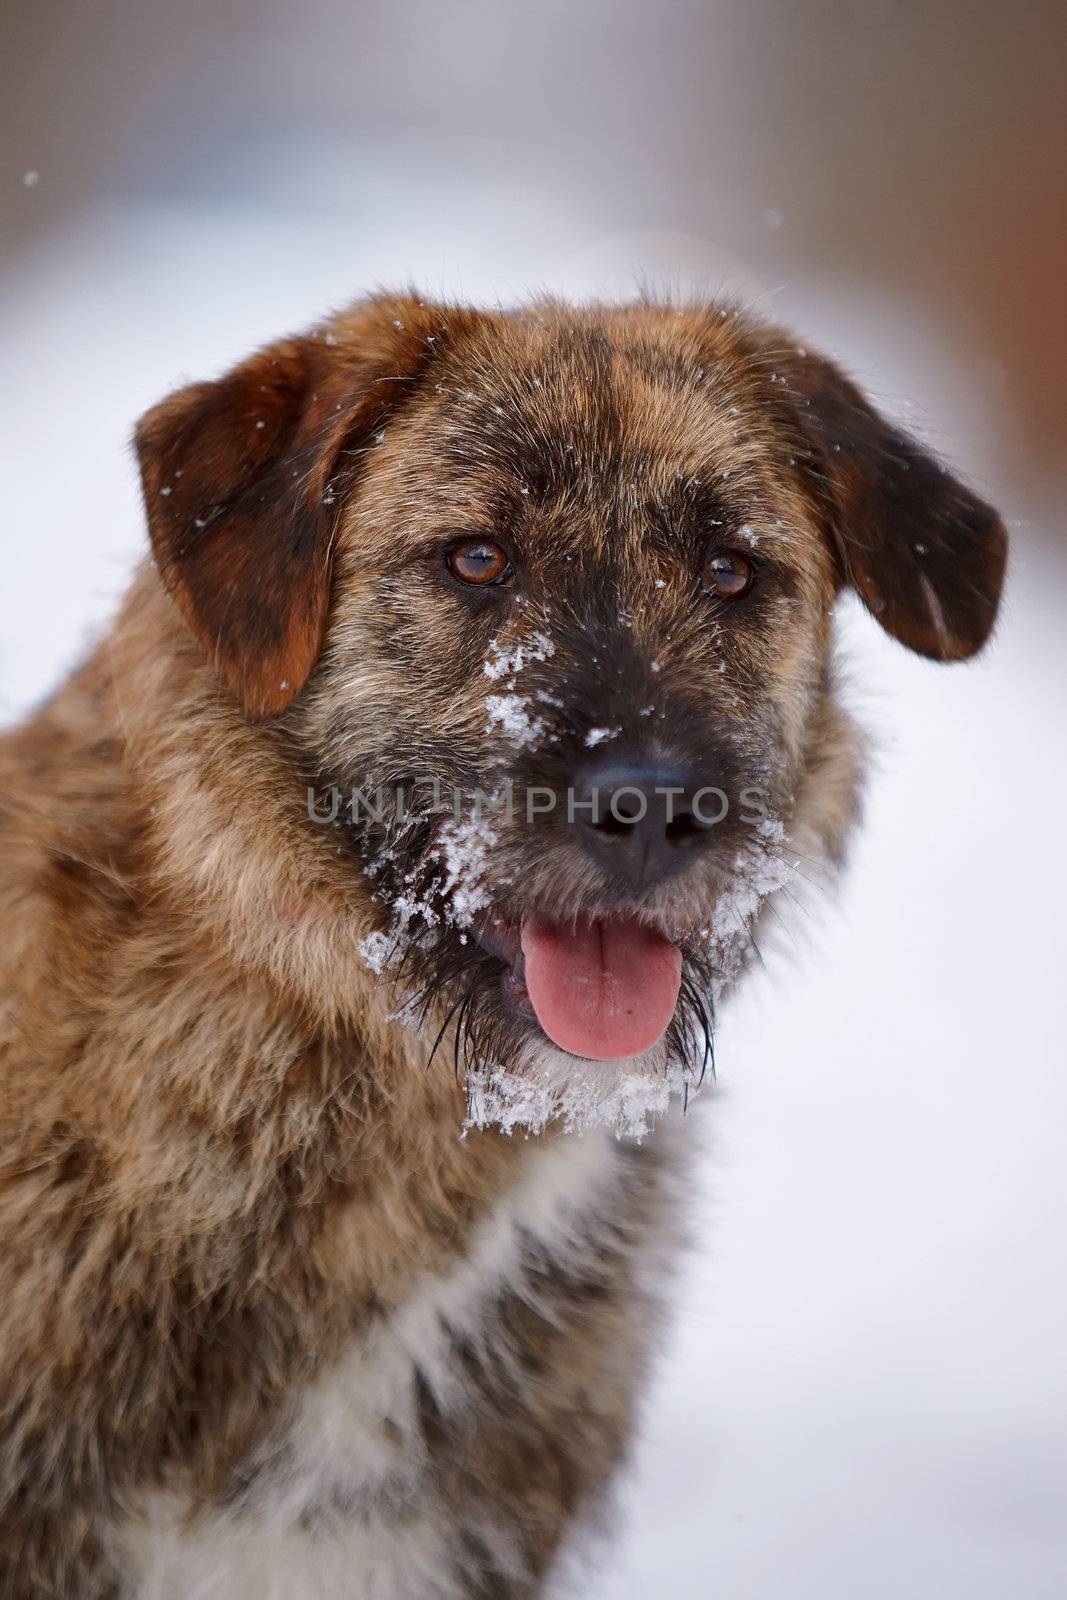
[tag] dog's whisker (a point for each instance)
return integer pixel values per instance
(442, 1030)
(773, 911)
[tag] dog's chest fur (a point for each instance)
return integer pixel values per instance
(366, 1489)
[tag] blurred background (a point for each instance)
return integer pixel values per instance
(864, 1391)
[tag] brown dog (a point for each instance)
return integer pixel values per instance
(288, 1310)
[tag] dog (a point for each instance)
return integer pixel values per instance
(368, 893)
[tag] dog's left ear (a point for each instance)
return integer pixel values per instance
(924, 553)
(244, 478)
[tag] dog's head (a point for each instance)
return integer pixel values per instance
(545, 596)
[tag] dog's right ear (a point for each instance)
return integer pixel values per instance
(243, 480)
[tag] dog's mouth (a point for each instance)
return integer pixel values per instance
(513, 981)
(602, 987)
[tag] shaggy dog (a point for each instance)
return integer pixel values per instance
(366, 897)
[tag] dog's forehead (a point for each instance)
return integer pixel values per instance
(570, 401)
(619, 434)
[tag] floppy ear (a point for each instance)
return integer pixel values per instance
(244, 478)
(924, 553)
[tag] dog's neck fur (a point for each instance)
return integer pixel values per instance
(239, 1165)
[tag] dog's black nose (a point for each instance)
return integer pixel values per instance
(638, 819)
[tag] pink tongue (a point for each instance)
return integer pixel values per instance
(605, 990)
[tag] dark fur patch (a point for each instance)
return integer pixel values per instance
(925, 554)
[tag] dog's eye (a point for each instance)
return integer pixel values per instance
(480, 561)
(728, 574)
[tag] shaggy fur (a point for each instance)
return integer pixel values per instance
(269, 1323)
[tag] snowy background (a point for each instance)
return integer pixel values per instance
(865, 1390)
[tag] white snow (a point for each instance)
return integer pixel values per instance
(376, 951)
(627, 1098)
(509, 714)
(465, 847)
(505, 660)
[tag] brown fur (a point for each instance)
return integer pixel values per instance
(220, 1159)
